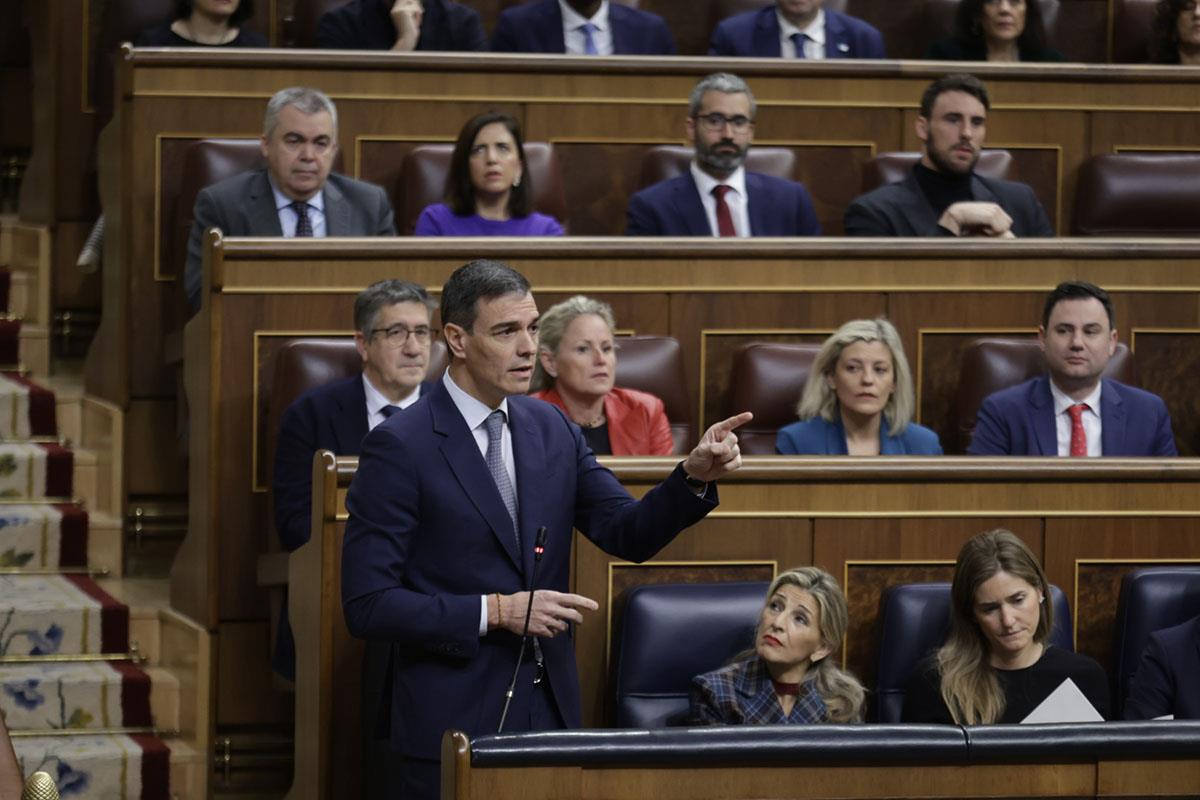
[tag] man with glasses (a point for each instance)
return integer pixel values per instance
(393, 336)
(717, 196)
(295, 194)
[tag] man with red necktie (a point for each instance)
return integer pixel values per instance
(1072, 410)
(717, 196)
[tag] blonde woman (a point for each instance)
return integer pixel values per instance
(858, 399)
(997, 665)
(791, 677)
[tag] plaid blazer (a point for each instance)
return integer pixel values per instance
(742, 694)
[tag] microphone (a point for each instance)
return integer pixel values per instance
(40, 786)
(539, 548)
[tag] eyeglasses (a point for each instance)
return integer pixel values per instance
(397, 335)
(717, 121)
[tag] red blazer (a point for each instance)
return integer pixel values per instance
(637, 421)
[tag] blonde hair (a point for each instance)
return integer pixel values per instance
(970, 687)
(842, 693)
(819, 398)
(552, 326)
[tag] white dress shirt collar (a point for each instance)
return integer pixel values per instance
(376, 401)
(474, 411)
(288, 217)
(573, 37)
(814, 47)
(1092, 423)
(737, 200)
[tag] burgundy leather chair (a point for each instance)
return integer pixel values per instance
(670, 161)
(1138, 194)
(423, 182)
(1133, 30)
(887, 168)
(767, 379)
(992, 364)
(654, 364)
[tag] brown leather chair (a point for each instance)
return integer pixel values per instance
(1133, 31)
(670, 161)
(992, 364)
(1138, 194)
(887, 168)
(423, 182)
(767, 379)
(654, 364)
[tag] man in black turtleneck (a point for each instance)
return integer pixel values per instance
(944, 196)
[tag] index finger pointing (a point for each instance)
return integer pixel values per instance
(722, 428)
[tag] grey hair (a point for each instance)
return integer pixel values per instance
(380, 295)
(308, 101)
(819, 398)
(482, 279)
(553, 325)
(723, 82)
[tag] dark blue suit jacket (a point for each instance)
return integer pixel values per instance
(1166, 681)
(816, 436)
(538, 28)
(1019, 421)
(672, 208)
(756, 33)
(428, 534)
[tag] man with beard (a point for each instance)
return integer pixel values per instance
(944, 196)
(717, 196)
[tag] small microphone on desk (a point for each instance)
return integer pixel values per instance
(539, 547)
(40, 786)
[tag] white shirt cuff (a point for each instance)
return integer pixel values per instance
(483, 614)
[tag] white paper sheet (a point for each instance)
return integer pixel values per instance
(1064, 704)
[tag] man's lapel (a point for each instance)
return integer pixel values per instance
(550, 27)
(1045, 427)
(337, 211)
(1112, 422)
(919, 213)
(529, 454)
(686, 198)
(261, 209)
(350, 423)
(766, 34)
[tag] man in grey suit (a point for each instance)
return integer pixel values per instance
(295, 195)
(943, 195)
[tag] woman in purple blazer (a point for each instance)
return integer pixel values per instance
(488, 191)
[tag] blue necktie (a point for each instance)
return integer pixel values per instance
(495, 462)
(799, 39)
(589, 43)
(387, 411)
(303, 224)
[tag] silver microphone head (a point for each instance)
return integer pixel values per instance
(40, 786)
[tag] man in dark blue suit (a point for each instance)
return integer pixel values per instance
(1072, 411)
(393, 337)
(581, 27)
(446, 507)
(717, 196)
(796, 29)
(1166, 679)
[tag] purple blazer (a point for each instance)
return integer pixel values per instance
(439, 220)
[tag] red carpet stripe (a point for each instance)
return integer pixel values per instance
(59, 464)
(114, 616)
(42, 410)
(73, 536)
(156, 767)
(10, 337)
(135, 694)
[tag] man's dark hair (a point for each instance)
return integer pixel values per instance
(956, 82)
(482, 279)
(460, 189)
(381, 294)
(245, 10)
(1077, 290)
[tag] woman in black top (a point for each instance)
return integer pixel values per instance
(205, 23)
(996, 664)
(1176, 33)
(996, 30)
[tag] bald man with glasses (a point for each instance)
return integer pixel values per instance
(717, 196)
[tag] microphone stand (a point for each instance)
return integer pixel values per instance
(539, 547)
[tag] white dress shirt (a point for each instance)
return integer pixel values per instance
(289, 219)
(1091, 420)
(475, 414)
(376, 401)
(738, 202)
(573, 37)
(814, 45)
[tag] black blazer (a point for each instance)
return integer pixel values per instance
(951, 48)
(367, 25)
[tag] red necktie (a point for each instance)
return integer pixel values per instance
(1078, 436)
(724, 218)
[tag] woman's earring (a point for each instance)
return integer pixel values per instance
(517, 181)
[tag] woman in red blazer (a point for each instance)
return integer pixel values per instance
(576, 368)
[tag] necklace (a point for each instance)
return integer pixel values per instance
(595, 422)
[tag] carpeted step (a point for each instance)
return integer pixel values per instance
(26, 408)
(74, 696)
(100, 767)
(35, 471)
(59, 615)
(43, 537)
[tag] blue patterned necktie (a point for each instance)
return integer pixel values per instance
(799, 39)
(495, 462)
(589, 43)
(303, 224)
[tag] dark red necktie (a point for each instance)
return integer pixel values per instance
(1078, 435)
(724, 218)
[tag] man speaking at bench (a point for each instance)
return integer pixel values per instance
(449, 501)
(295, 195)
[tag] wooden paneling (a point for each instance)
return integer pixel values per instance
(1169, 359)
